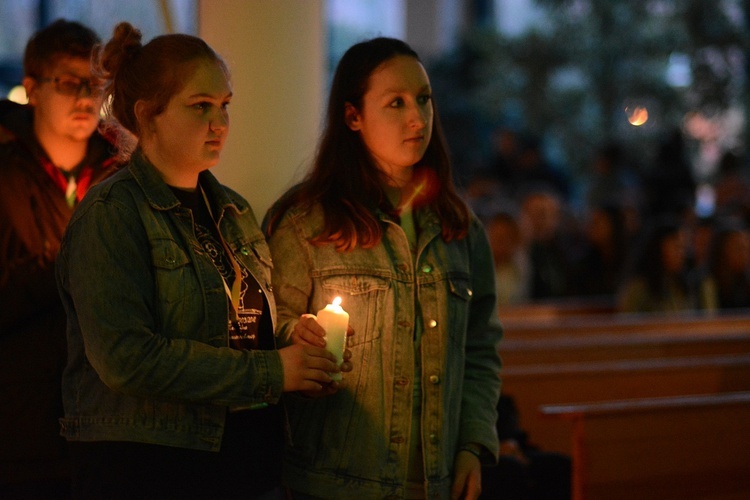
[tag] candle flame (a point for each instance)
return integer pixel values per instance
(337, 301)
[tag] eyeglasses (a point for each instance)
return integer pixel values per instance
(71, 86)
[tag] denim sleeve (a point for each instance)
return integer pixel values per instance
(291, 277)
(481, 388)
(116, 314)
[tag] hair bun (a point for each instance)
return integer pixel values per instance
(129, 37)
(123, 47)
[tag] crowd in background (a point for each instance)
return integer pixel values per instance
(638, 243)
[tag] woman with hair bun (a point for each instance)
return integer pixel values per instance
(173, 378)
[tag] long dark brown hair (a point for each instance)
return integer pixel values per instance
(344, 178)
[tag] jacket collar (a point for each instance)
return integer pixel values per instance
(424, 218)
(162, 198)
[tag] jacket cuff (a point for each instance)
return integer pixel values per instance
(272, 381)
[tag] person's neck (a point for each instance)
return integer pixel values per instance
(172, 176)
(396, 180)
(393, 193)
(64, 152)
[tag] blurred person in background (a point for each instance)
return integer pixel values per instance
(511, 259)
(732, 187)
(541, 221)
(658, 280)
(524, 471)
(670, 185)
(50, 154)
(729, 271)
(603, 254)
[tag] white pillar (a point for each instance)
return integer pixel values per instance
(275, 50)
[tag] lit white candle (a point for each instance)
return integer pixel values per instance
(335, 322)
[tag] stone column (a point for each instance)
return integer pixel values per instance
(276, 53)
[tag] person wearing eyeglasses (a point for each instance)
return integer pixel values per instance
(50, 154)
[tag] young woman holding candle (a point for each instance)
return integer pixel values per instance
(172, 379)
(377, 222)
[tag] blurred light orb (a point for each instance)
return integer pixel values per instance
(637, 115)
(18, 94)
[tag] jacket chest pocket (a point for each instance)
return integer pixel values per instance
(365, 298)
(459, 299)
(174, 273)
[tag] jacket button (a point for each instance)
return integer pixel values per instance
(470, 292)
(170, 260)
(432, 323)
(244, 251)
(426, 268)
(434, 438)
(434, 379)
(402, 381)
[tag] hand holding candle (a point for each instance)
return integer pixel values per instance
(335, 322)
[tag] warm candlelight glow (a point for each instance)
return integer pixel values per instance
(335, 322)
(421, 191)
(637, 116)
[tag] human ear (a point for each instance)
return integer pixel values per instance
(352, 117)
(143, 116)
(30, 84)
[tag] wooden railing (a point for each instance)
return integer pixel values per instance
(532, 386)
(635, 398)
(660, 448)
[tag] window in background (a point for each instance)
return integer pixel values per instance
(351, 22)
(21, 18)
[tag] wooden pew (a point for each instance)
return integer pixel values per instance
(644, 324)
(535, 385)
(552, 309)
(624, 345)
(659, 448)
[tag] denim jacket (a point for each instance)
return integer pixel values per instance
(355, 444)
(148, 349)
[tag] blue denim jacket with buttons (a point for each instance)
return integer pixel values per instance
(355, 444)
(148, 349)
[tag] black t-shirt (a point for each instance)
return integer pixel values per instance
(253, 439)
(253, 328)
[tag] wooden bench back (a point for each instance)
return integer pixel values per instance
(535, 385)
(657, 448)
